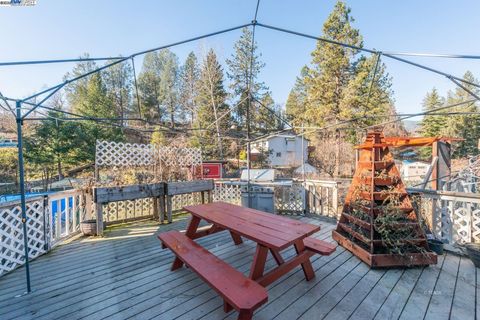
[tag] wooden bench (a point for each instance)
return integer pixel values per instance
(319, 246)
(238, 291)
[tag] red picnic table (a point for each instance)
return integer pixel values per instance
(270, 232)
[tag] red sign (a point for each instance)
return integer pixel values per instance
(210, 171)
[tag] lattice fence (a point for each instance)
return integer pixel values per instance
(11, 232)
(230, 193)
(453, 218)
(187, 199)
(290, 199)
(128, 209)
(119, 154)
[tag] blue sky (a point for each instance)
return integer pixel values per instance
(64, 29)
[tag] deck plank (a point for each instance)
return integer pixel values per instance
(375, 299)
(442, 295)
(417, 303)
(352, 300)
(463, 306)
(126, 274)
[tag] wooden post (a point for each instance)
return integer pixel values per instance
(169, 208)
(202, 194)
(99, 209)
(210, 196)
(155, 208)
(335, 200)
(162, 208)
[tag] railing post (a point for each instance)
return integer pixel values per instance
(58, 219)
(46, 236)
(67, 215)
(74, 211)
(99, 209)
(335, 200)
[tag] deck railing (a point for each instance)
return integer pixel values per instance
(452, 216)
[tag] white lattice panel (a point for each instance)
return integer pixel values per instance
(11, 233)
(187, 199)
(179, 157)
(128, 209)
(119, 154)
(290, 198)
(476, 225)
(228, 193)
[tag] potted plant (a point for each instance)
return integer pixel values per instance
(89, 227)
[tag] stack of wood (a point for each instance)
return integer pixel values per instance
(378, 223)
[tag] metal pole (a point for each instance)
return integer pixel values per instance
(22, 190)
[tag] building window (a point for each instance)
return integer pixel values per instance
(279, 154)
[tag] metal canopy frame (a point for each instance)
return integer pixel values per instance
(49, 92)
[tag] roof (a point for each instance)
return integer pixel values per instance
(281, 135)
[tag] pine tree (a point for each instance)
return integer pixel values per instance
(241, 68)
(464, 126)
(169, 85)
(332, 67)
(432, 126)
(266, 115)
(119, 84)
(149, 88)
(212, 106)
(296, 102)
(189, 77)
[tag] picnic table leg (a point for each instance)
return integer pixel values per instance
(245, 315)
(277, 256)
(236, 238)
(307, 265)
(191, 230)
(259, 260)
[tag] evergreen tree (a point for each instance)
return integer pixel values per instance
(365, 95)
(241, 68)
(296, 102)
(118, 83)
(55, 143)
(432, 126)
(189, 77)
(89, 98)
(169, 85)
(265, 115)
(149, 88)
(340, 83)
(212, 106)
(463, 126)
(332, 67)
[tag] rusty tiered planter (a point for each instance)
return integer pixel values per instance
(378, 223)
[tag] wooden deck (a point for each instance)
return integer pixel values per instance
(126, 275)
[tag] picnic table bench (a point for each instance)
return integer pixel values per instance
(272, 233)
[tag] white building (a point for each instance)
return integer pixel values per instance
(283, 150)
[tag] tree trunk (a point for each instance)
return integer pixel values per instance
(337, 152)
(59, 169)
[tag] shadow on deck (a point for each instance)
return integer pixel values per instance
(126, 275)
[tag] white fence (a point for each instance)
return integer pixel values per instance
(313, 197)
(49, 220)
(453, 217)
